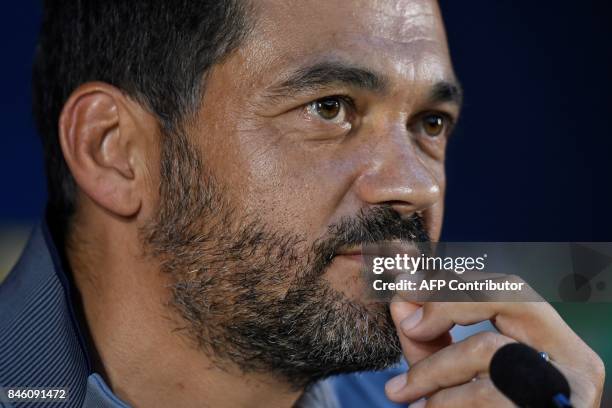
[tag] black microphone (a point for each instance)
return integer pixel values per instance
(527, 379)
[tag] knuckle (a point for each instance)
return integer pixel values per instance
(419, 374)
(598, 369)
(591, 393)
(414, 374)
(514, 279)
(433, 307)
(485, 343)
(535, 310)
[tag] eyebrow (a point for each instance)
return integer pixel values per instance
(446, 91)
(326, 74)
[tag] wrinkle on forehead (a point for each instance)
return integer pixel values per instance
(396, 20)
(401, 21)
(404, 36)
(391, 16)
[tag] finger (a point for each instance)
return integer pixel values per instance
(414, 350)
(479, 393)
(534, 323)
(439, 317)
(454, 365)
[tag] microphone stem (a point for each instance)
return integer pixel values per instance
(561, 401)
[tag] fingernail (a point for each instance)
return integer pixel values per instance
(412, 320)
(395, 384)
(419, 404)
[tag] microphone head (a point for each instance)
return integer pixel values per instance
(519, 372)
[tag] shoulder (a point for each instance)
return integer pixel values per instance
(39, 344)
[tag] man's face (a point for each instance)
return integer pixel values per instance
(301, 172)
(325, 130)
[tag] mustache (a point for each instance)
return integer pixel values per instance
(373, 226)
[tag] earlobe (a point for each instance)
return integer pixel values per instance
(97, 142)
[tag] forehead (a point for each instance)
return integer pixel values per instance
(404, 39)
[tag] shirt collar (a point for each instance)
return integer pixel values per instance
(97, 393)
(46, 344)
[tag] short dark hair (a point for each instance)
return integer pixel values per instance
(155, 51)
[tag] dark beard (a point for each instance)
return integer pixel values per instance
(255, 296)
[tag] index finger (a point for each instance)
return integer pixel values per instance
(533, 323)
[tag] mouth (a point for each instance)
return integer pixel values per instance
(353, 253)
(360, 253)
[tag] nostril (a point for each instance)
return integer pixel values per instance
(399, 204)
(403, 208)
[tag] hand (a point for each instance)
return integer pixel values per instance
(456, 374)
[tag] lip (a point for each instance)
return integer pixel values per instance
(359, 253)
(353, 257)
(352, 253)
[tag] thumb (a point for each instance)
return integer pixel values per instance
(413, 350)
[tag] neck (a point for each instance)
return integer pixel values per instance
(144, 359)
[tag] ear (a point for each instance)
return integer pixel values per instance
(100, 141)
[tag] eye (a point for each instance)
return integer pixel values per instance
(434, 124)
(332, 109)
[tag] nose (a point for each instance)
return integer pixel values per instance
(399, 176)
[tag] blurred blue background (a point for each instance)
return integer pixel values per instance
(530, 160)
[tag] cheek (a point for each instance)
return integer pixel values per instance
(296, 188)
(292, 186)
